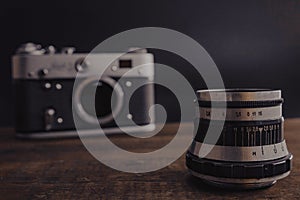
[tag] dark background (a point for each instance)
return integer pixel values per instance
(254, 43)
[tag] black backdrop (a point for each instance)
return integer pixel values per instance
(255, 43)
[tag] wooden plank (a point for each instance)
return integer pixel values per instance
(64, 169)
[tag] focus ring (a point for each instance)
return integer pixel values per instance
(238, 170)
(251, 133)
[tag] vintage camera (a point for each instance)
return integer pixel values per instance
(47, 101)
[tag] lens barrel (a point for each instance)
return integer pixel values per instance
(251, 151)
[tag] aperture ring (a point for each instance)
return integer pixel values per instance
(240, 114)
(242, 104)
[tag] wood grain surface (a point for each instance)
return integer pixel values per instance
(64, 169)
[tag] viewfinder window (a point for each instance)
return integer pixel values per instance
(125, 63)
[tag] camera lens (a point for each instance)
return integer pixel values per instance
(251, 151)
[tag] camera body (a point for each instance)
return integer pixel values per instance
(47, 100)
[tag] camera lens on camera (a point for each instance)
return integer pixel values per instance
(251, 151)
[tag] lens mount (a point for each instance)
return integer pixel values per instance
(91, 117)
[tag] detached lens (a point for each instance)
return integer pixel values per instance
(251, 151)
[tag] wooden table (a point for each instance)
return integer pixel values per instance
(64, 169)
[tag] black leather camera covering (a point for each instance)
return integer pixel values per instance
(32, 99)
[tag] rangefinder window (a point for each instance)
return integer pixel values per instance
(125, 63)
